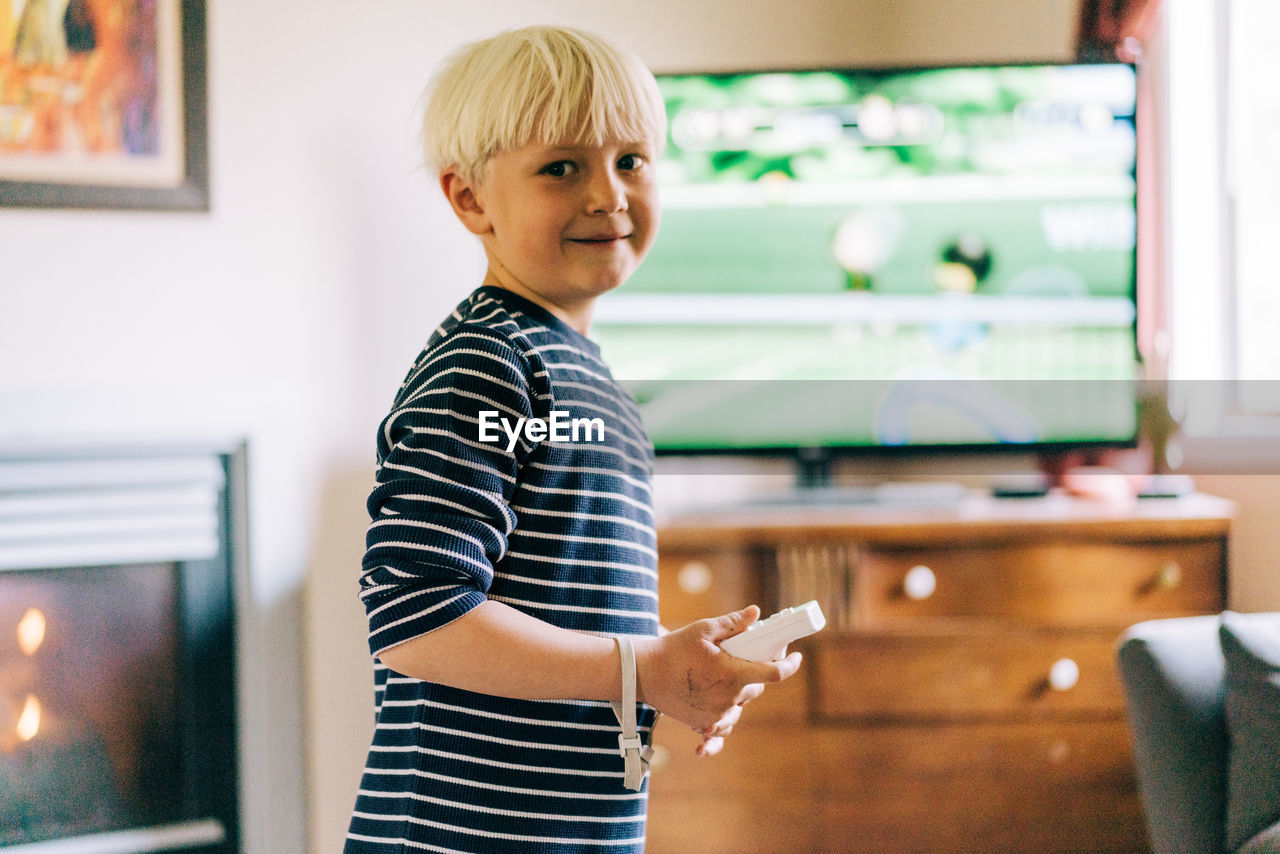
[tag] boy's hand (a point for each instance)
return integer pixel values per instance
(713, 739)
(686, 676)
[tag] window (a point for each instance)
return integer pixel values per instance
(1216, 65)
(1253, 191)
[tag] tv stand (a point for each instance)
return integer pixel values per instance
(817, 486)
(935, 711)
(888, 494)
(813, 468)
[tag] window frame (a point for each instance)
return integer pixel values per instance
(1217, 407)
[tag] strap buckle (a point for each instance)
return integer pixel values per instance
(630, 745)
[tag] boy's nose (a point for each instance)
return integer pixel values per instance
(606, 194)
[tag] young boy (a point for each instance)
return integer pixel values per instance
(510, 578)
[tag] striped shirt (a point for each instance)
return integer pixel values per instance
(559, 529)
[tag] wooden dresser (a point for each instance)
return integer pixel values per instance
(964, 695)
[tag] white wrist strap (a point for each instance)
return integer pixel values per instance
(635, 755)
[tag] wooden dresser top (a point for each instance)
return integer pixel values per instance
(978, 517)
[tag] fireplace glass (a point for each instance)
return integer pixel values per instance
(88, 697)
(117, 725)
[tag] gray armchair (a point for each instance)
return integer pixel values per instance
(1203, 699)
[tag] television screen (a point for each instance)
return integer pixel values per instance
(861, 259)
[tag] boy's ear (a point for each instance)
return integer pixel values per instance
(461, 194)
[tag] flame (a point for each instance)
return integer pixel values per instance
(29, 720)
(31, 630)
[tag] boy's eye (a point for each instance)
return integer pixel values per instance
(630, 162)
(559, 169)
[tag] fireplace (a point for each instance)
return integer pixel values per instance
(117, 686)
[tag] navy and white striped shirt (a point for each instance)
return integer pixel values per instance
(562, 530)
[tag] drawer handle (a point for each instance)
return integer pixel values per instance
(694, 578)
(919, 583)
(1064, 674)
(1169, 576)
(661, 758)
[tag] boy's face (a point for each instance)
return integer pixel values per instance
(565, 222)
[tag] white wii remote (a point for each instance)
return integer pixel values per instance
(766, 640)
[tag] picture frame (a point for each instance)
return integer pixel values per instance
(104, 105)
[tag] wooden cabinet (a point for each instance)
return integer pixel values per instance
(964, 696)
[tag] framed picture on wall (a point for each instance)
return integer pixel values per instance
(103, 104)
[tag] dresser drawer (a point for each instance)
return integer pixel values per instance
(982, 817)
(754, 754)
(694, 585)
(1043, 787)
(1008, 675)
(1054, 584)
(710, 822)
(857, 762)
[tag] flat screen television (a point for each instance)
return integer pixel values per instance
(861, 260)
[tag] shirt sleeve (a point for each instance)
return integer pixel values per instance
(440, 510)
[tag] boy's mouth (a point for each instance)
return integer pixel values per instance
(600, 239)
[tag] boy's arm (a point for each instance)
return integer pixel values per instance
(440, 512)
(495, 649)
(441, 518)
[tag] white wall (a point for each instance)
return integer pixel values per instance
(289, 313)
(1254, 583)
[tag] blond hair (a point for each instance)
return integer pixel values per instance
(539, 84)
